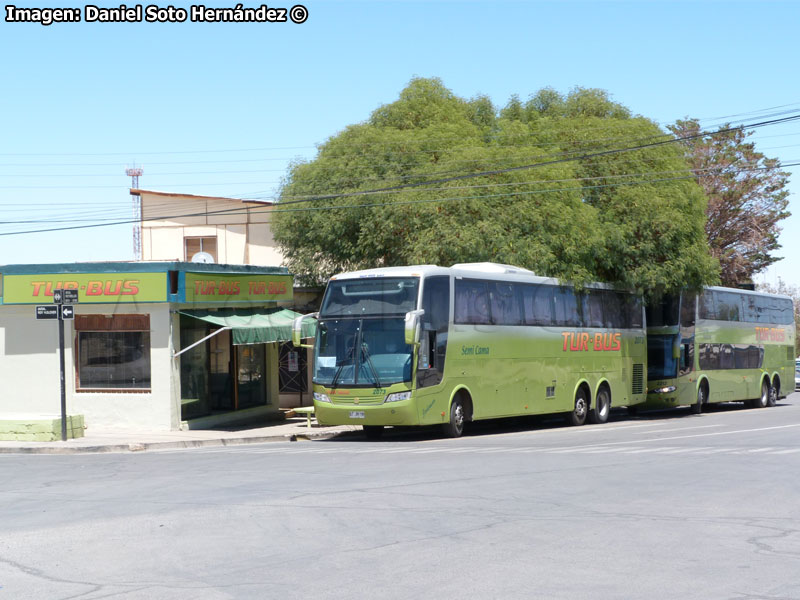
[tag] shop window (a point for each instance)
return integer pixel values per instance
(193, 245)
(113, 352)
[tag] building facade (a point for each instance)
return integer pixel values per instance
(225, 230)
(152, 345)
(187, 227)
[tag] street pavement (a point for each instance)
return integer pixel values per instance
(662, 506)
(121, 440)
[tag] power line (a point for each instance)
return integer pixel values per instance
(487, 173)
(278, 208)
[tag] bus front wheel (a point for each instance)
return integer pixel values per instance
(697, 407)
(578, 415)
(455, 426)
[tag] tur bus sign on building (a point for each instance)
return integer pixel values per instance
(150, 344)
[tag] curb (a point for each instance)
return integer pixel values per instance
(176, 445)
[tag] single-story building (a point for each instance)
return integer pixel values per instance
(150, 345)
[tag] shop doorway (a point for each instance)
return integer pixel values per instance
(216, 375)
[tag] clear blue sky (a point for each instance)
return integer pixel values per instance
(220, 109)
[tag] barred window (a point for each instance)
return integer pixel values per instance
(113, 352)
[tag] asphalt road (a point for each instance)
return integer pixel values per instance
(666, 505)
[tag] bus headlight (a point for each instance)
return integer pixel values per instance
(664, 390)
(397, 396)
(321, 397)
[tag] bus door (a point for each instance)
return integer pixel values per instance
(686, 362)
(433, 338)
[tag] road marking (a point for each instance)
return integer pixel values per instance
(677, 429)
(568, 430)
(645, 450)
(683, 437)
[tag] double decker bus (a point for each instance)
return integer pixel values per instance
(723, 345)
(428, 345)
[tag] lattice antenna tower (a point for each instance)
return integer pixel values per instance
(133, 173)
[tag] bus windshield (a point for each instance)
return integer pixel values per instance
(373, 296)
(661, 363)
(361, 352)
(663, 313)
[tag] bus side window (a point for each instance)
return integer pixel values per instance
(537, 304)
(688, 303)
(687, 357)
(592, 308)
(566, 305)
(472, 302)
(505, 304)
(707, 308)
(750, 309)
(633, 313)
(728, 306)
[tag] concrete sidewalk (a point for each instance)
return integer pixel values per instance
(291, 429)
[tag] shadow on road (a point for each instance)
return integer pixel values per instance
(538, 423)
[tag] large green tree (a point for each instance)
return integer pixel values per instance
(624, 217)
(747, 198)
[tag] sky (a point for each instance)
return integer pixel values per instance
(222, 109)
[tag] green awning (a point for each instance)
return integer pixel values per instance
(256, 326)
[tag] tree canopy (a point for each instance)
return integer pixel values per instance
(747, 198)
(436, 179)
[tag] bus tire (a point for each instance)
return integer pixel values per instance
(772, 400)
(373, 432)
(697, 407)
(763, 400)
(578, 414)
(455, 426)
(602, 407)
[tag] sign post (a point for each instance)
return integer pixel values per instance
(63, 299)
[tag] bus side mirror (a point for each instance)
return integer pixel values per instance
(297, 330)
(412, 323)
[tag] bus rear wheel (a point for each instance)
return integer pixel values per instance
(772, 400)
(455, 426)
(578, 414)
(602, 407)
(763, 400)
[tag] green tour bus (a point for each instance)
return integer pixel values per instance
(724, 345)
(428, 345)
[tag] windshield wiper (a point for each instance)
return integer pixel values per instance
(365, 351)
(339, 367)
(336, 375)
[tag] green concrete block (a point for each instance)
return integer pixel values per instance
(40, 430)
(39, 427)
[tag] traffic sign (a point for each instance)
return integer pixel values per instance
(67, 311)
(65, 296)
(46, 311)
